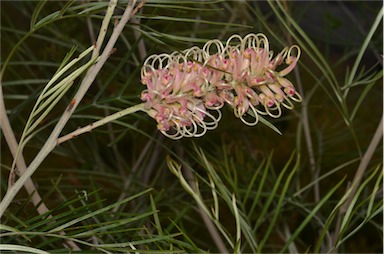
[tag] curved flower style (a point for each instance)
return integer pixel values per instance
(175, 86)
(186, 90)
(256, 82)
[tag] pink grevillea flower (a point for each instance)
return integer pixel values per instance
(258, 87)
(186, 90)
(176, 85)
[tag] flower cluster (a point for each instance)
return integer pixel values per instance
(186, 90)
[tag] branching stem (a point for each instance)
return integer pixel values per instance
(86, 83)
(100, 122)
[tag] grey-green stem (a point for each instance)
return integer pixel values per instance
(86, 83)
(101, 122)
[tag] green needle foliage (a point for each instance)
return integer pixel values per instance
(84, 168)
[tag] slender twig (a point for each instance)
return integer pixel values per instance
(90, 27)
(138, 7)
(307, 135)
(103, 29)
(214, 233)
(359, 175)
(101, 122)
(377, 137)
(120, 163)
(305, 118)
(21, 166)
(140, 45)
(51, 142)
(20, 162)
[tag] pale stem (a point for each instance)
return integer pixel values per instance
(359, 175)
(213, 232)
(101, 122)
(308, 138)
(118, 157)
(136, 34)
(104, 27)
(20, 162)
(86, 83)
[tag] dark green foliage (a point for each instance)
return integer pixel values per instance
(124, 187)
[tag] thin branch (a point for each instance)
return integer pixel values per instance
(86, 83)
(120, 163)
(359, 175)
(22, 166)
(304, 116)
(214, 233)
(140, 45)
(20, 162)
(207, 221)
(100, 122)
(308, 138)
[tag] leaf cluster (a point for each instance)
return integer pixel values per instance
(123, 187)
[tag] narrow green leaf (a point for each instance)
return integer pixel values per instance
(139, 242)
(268, 124)
(70, 223)
(14, 247)
(36, 13)
(14, 230)
(92, 7)
(112, 225)
(261, 184)
(238, 225)
(156, 217)
(364, 93)
(307, 219)
(188, 20)
(277, 210)
(67, 57)
(366, 42)
(265, 122)
(65, 7)
(272, 194)
(189, 240)
(350, 211)
(252, 182)
(325, 176)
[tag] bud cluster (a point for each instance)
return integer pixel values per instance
(186, 90)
